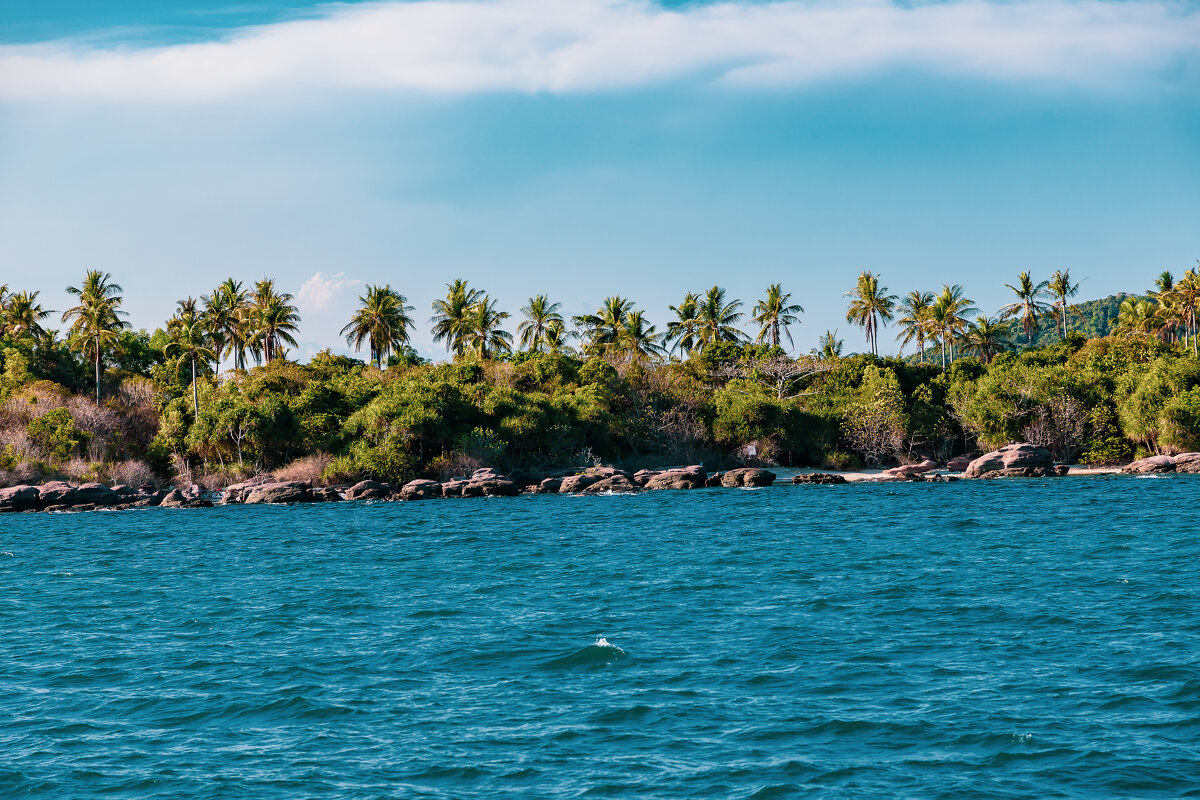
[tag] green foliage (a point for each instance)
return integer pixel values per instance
(56, 434)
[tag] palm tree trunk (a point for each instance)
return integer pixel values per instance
(97, 370)
(195, 392)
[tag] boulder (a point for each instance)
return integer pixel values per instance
(236, 492)
(471, 489)
(453, 488)
(1014, 460)
(747, 476)
(550, 486)
(282, 492)
(174, 499)
(616, 483)
(960, 463)
(1152, 464)
(326, 494)
(487, 474)
(643, 476)
(19, 498)
(682, 478)
(714, 481)
(421, 489)
(499, 487)
(573, 484)
(912, 469)
(1187, 462)
(368, 490)
(56, 493)
(824, 478)
(96, 494)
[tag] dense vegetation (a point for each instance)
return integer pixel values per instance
(212, 396)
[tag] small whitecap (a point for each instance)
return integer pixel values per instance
(6, 553)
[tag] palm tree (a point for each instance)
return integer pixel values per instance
(638, 338)
(1136, 316)
(382, 321)
(23, 315)
(449, 315)
(602, 329)
(481, 330)
(1027, 305)
(557, 336)
(1187, 300)
(276, 319)
(829, 347)
(540, 313)
(916, 307)
(949, 317)
(189, 340)
(96, 321)
(1060, 287)
(684, 328)
(870, 305)
(229, 316)
(988, 337)
(718, 319)
(775, 312)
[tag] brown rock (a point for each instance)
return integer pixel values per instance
(1153, 464)
(616, 483)
(19, 498)
(573, 484)
(368, 490)
(823, 478)
(421, 489)
(1012, 460)
(681, 478)
(747, 476)
(960, 463)
(282, 492)
(550, 486)
(494, 488)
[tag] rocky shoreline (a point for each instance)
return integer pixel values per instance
(1013, 461)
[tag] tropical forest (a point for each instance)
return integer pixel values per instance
(215, 395)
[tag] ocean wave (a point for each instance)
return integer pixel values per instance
(600, 653)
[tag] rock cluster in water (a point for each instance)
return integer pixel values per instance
(1184, 462)
(1019, 460)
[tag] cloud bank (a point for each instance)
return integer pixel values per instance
(553, 46)
(318, 292)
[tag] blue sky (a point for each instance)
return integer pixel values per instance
(596, 147)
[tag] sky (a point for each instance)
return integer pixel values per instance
(586, 148)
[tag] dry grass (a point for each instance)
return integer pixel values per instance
(309, 468)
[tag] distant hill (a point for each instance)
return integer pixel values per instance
(1092, 318)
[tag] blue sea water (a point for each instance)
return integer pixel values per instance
(999, 639)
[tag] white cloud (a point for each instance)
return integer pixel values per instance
(318, 292)
(586, 45)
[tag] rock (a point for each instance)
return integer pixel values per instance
(943, 478)
(56, 493)
(714, 481)
(500, 487)
(282, 492)
(550, 486)
(326, 494)
(487, 474)
(1013, 460)
(1187, 462)
(960, 463)
(174, 499)
(96, 494)
(453, 488)
(368, 490)
(421, 489)
(1152, 464)
(912, 469)
(643, 476)
(681, 478)
(747, 476)
(19, 498)
(573, 484)
(823, 478)
(616, 483)
(236, 492)
(526, 478)
(470, 489)
(124, 490)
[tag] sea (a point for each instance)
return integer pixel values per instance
(985, 639)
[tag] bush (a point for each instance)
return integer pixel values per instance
(56, 434)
